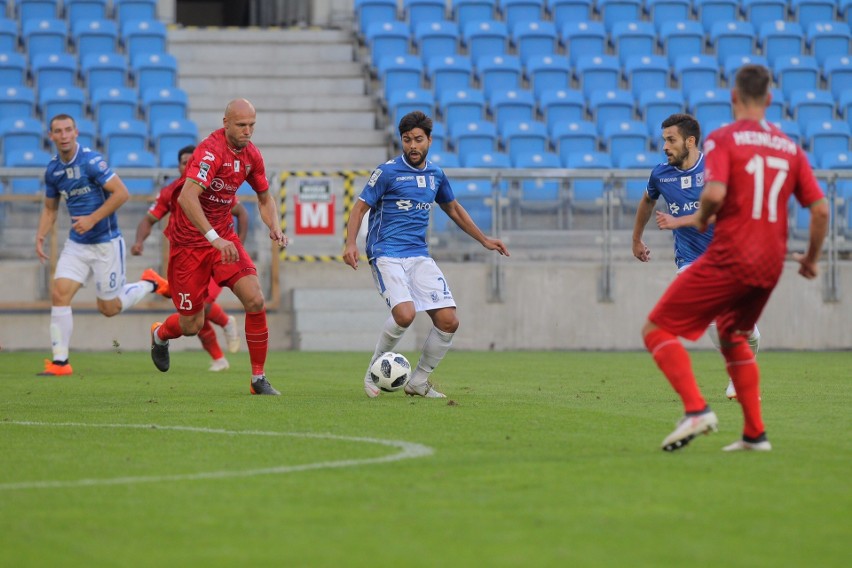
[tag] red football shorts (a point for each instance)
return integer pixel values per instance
(703, 293)
(213, 291)
(191, 270)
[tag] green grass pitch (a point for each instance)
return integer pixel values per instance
(538, 459)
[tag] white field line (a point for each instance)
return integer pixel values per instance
(408, 450)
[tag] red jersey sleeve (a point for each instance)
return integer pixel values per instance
(163, 203)
(256, 176)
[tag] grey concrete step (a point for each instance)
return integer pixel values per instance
(293, 120)
(232, 86)
(265, 102)
(330, 158)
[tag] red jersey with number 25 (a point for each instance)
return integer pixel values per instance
(761, 168)
(220, 170)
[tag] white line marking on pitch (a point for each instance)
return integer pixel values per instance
(408, 450)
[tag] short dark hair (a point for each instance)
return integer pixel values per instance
(415, 119)
(62, 117)
(752, 82)
(686, 125)
(186, 150)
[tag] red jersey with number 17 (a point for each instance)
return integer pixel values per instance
(220, 170)
(761, 168)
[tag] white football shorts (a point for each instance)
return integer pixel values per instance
(415, 279)
(103, 260)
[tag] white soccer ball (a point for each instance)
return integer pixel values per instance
(390, 372)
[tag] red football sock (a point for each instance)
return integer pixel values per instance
(257, 340)
(207, 336)
(673, 361)
(743, 370)
(217, 315)
(170, 328)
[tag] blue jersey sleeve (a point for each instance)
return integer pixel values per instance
(375, 187)
(97, 169)
(651, 189)
(444, 194)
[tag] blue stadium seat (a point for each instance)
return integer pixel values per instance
(386, 39)
(565, 11)
(8, 35)
(169, 136)
(660, 11)
(471, 195)
(13, 69)
(86, 133)
(114, 104)
(635, 187)
(658, 105)
(54, 70)
(780, 38)
(462, 106)
(614, 11)
(733, 62)
(104, 70)
(538, 160)
(440, 138)
(534, 38)
(607, 106)
(807, 12)
(584, 38)
(403, 101)
(472, 137)
(681, 39)
(710, 104)
(837, 161)
(827, 136)
(436, 39)
(449, 72)
(483, 38)
(759, 11)
(524, 138)
(154, 70)
(62, 100)
(445, 159)
(630, 39)
(777, 109)
(516, 11)
(498, 73)
(130, 10)
(486, 160)
(828, 38)
(561, 106)
(844, 106)
(44, 36)
(795, 72)
(731, 38)
(27, 159)
(587, 193)
(416, 12)
(625, 137)
(24, 133)
(119, 160)
(844, 10)
(574, 138)
(27, 10)
(838, 74)
(541, 194)
(16, 102)
(94, 36)
(124, 136)
(85, 10)
(467, 11)
(598, 73)
(711, 11)
(512, 106)
(368, 11)
(143, 36)
(791, 129)
(164, 104)
(400, 72)
(696, 72)
(547, 73)
(646, 72)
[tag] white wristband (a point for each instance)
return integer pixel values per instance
(211, 235)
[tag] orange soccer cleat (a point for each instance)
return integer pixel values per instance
(52, 369)
(161, 285)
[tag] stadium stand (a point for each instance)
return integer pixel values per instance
(437, 39)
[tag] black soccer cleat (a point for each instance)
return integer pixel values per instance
(262, 386)
(159, 353)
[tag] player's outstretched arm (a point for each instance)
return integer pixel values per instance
(143, 230)
(353, 227)
(818, 228)
(45, 222)
(268, 208)
(643, 214)
(461, 217)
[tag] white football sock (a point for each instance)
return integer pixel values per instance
(390, 336)
(61, 327)
(131, 293)
(436, 346)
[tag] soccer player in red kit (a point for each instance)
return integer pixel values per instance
(203, 243)
(751, 170)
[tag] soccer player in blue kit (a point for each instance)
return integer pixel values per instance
(680, 180)
(399, 197)
(93, 193)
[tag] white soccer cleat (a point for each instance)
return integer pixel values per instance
(743, 446)
(424, 390)
(232, 335)
(688, 428)
(369, 386)
(219, 365)
(731, 392)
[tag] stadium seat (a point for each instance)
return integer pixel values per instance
(467, 11)
(584, 38)
(486, 160)
(436, 39)
(483, 38)
(27, 159)
(711, 11)
(124, 136)
(473, 137)
(512, 106)
(23, 133)
(565, 11)
(796, 72)
(13, 69)
(844, 106)
(827, 136)
(8, 36)
(368, 11)
(547, 73)
(586, 193)
(658, 105)
(791, 129)
(537, 160)
(844, 10)
(598, 73)
(607, 106)
(62, 100)
(94, 36)
(696, 72)
(777, 109)
(731, 38)
(710, 104)
(828, 38)
(759, 11)
(633, 188)
(86, 133)
(543, 195)
(811, 105)
(445, 159)
(169, 136)
(386, 39)
(646, 72)
(416, 12)
(440, 138)
(625, 137)
(733, 62)
(807, 12)
(53, 70)
(120, 160)
(462, 106)
(143, 37)
(660, 11)
(17, 102)
(838, 74)
(681, 39)
(114, 104)
(164, 104)
(400, 72)
(403, 101)
(631, 39)
(561, 106)
(780, 38)
(534, 38)
(449, 72)
(44, 36)
(154, 70)
(614, 11)
(85, 10)
(528, 137)
(104, 70)
(134, 10)
(36, 10)
(837, 161)
(498, 73)
(518, 11)
(578, 137)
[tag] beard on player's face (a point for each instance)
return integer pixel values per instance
(416, 156)
(677, 158)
